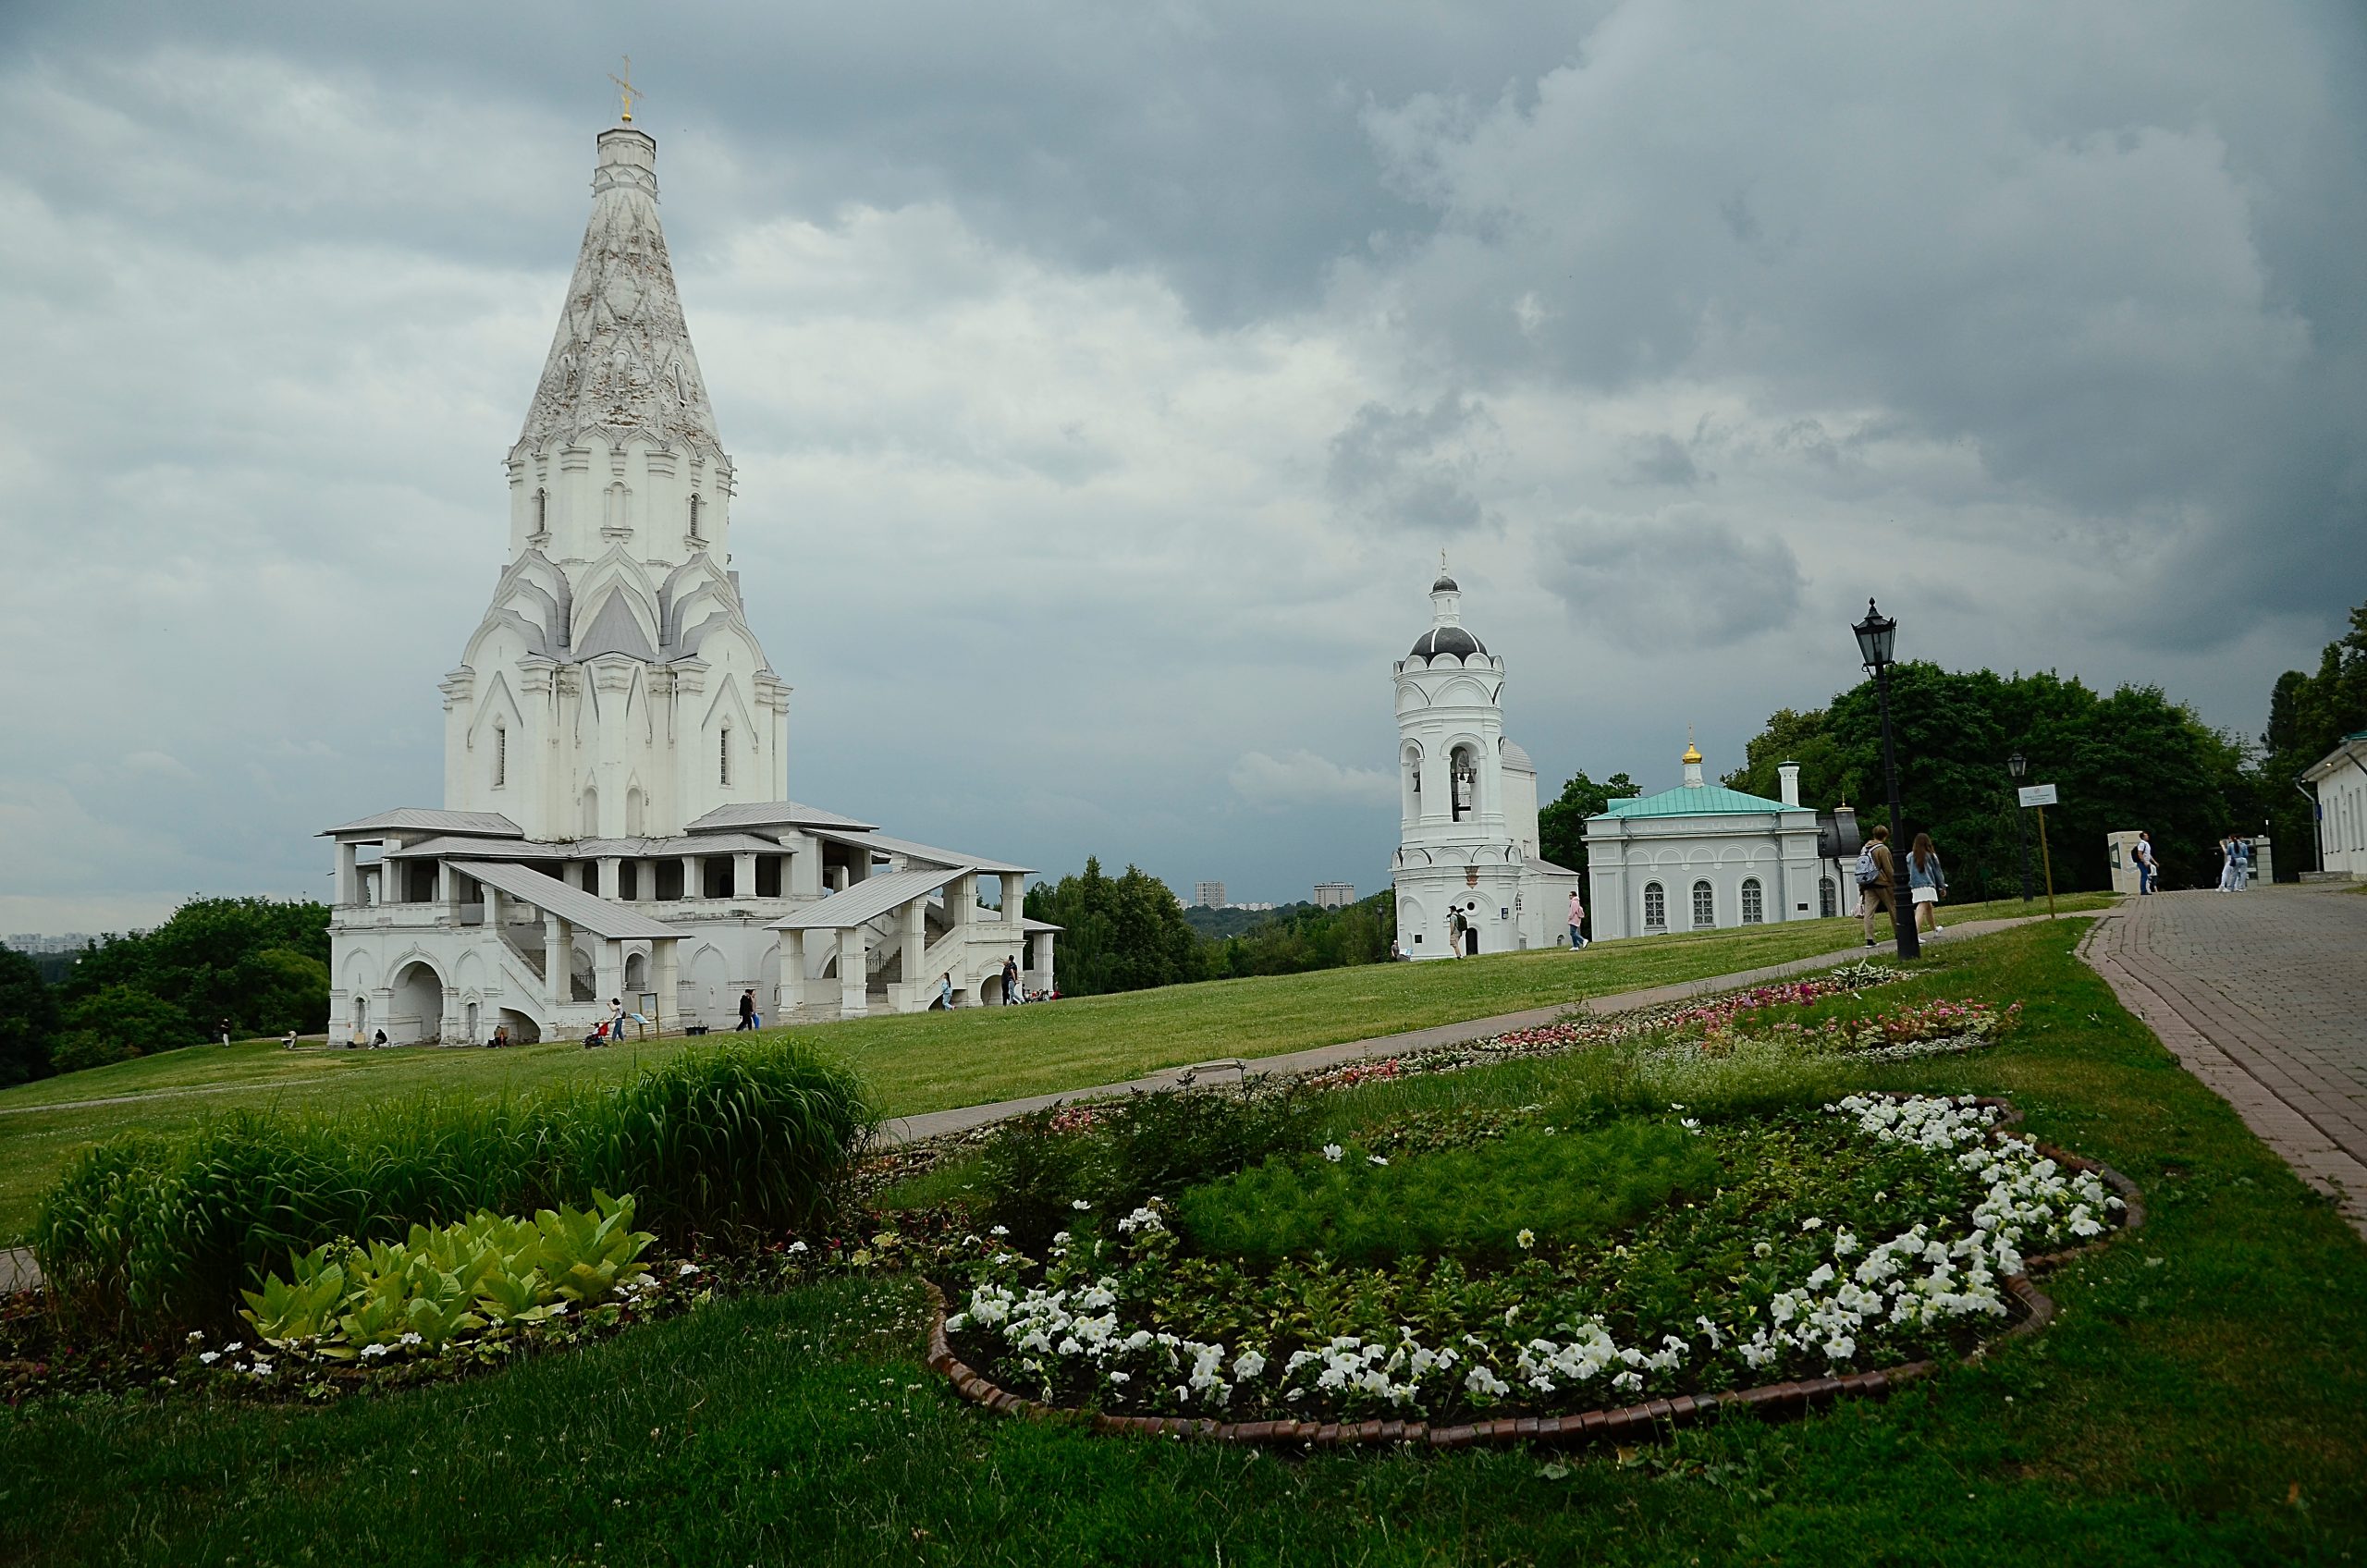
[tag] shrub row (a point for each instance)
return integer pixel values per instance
(145, 1234)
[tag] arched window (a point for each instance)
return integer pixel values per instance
(500, 756)
(694, 516)
(1754, 910)
(1828, 897)
(723, 759)
(1464, 788)
(591, 814)
(542, 511)
(1655, 908)
(1705, 907)
(636, 812)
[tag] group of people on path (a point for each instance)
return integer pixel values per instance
(2235, 864)
(1927, 881)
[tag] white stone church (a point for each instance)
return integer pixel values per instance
(1702, 856)
(1467, 839)
(616, 821)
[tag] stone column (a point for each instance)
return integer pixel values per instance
(1040, 944)
(608, 970)
(666, 977)
(915, 946)
(558, 959)
(792, 973)
(692, 886)
(348, 880)
(1014, 897)
(853, 981)
(608, 885)
(744, 874)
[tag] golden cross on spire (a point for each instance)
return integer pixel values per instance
(626, 88)
(1441, 563)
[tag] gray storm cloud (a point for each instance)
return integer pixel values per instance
(1102, 384)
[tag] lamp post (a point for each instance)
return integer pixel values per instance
(1876, 635)
(2018, 765)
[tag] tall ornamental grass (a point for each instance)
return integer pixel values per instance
(145, 1234)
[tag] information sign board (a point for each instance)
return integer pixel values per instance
(2038, 794)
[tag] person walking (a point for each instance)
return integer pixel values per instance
(2243, 863)
(747, 1011)
(1011, 996)
(1578, 918)
(222, 1031)
(2147, 872)
(2227, 863)
(1454, 926)
(1874, 881)
(945, 991)
(1926, 883)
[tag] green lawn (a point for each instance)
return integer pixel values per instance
(2200, 1400)
(916, 1064)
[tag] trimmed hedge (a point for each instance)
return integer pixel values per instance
(146, 1233)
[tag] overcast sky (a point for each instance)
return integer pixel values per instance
(1104, 382)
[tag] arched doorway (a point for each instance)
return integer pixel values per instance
(523, 1031)
(417, 1010)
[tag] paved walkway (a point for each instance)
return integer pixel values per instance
(937, 1123)
(2264, 997)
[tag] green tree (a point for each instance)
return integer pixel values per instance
(1119, 933)
(1303, 937)
(115, 1023)
(1561, 823)
(29, 1020)
(262, 964)
(2134, 759)
(2308, 716)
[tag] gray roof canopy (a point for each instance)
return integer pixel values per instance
(573, 905)
(867, 900)
(489, 824)
(774, 814)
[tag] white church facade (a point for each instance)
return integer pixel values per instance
(616, 821)
(1467, 841)
(1702, 856)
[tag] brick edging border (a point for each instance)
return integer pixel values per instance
(1635, 1420)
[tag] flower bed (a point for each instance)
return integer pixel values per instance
(1901, 1250)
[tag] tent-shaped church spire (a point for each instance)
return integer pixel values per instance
(620, 364)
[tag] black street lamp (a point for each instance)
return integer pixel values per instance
(2018, 765)
(1876, 635)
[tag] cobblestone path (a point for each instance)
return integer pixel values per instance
(2264, 997)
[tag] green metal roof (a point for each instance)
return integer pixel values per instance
(1711, 799)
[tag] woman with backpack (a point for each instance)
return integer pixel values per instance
(1926, 883)
(1873, 879)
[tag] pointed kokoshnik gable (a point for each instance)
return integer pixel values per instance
(615, 688)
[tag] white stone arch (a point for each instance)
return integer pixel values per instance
(587, 813)
(1409, 779)
(417, 986)
(704, 980)
(1462, 690)
(637, 807)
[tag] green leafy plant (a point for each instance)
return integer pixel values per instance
(446, 1283)
(147, 1233)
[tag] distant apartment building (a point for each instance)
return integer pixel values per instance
(1208, 895)
(1334, 895)
(35, 942)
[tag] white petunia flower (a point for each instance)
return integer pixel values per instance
(1375, 1159)
(1527, 1239)
(1333, 1152)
